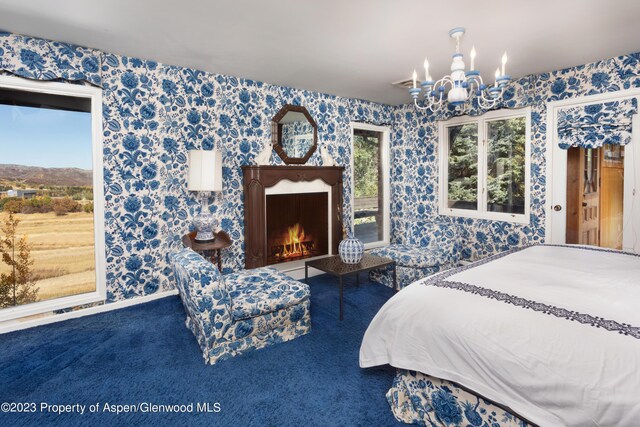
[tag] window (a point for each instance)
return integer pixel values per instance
(370, 189)
(51, 213)
(484, 167)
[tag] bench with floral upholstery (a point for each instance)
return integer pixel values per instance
(239, 312)
(423, 249)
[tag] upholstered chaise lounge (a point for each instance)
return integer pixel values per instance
(423, 249)
(239, 312)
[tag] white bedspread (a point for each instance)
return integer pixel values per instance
(549, 369)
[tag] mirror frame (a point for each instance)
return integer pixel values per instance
(276, 135)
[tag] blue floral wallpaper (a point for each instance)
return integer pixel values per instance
(154, 113)
(415, 159)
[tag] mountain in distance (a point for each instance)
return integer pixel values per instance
(35, 175)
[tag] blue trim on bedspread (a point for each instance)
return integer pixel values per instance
(592, 248)
(586, 319)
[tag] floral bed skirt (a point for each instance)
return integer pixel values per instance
(416, 398)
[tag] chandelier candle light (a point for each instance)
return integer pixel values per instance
(464, 87)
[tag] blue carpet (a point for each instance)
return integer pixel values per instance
(145, 354)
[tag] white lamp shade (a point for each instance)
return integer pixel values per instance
(205, 170)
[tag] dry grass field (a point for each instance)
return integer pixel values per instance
(63, 252)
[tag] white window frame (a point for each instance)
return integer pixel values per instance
(95, 95)
(386, 182)
(481, 121)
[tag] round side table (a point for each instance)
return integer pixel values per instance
(209, 249)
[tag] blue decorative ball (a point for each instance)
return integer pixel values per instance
(351, 250)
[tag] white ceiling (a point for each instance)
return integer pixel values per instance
(352, 48)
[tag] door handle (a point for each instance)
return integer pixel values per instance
(557, 208)
(584, 204)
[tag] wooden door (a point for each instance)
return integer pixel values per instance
(611, 196)
(589, 232)
(583, 196)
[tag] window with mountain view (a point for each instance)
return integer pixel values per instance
(47, 236)
(485, 166)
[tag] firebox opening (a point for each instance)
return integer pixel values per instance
(297, 226)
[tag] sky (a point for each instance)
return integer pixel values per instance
(47, 138)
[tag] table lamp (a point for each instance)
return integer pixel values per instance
(205, 177)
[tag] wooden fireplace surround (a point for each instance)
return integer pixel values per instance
(258, 178)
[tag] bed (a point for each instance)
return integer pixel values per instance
(551, 333)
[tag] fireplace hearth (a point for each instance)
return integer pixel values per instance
(282, 224)
(297, 226)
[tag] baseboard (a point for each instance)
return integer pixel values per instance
(16, 325)
(297, 273)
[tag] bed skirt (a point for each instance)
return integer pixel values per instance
(416, 398)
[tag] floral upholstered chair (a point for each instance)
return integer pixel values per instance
(424, 248)
(235, 313)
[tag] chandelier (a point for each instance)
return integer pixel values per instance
(463, 87)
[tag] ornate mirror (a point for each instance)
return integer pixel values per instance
(294, 134)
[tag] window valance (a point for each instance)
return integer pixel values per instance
(593, 125)
(40, 59)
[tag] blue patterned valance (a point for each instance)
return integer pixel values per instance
(40, 59)
(593, 125)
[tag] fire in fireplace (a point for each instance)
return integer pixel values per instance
(297, 226)
(295, 244)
